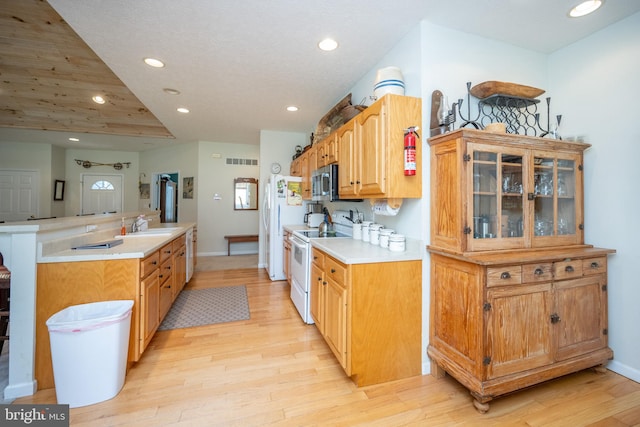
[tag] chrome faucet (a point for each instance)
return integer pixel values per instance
(134, 227)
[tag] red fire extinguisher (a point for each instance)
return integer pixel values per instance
(410, 136)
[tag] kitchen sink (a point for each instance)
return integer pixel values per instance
(161, 231)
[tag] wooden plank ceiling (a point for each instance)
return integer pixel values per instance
(48, 76)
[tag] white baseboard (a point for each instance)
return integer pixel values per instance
(253, 252)
(13, 391)
(624, 370)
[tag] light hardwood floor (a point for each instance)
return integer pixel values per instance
(274, 370)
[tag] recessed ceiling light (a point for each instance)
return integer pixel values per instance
(585, 8)
(98, 99)
(292, 108)
(74, 139)
(152, 62)
(171, 91)
(183, 110)
(328, 45)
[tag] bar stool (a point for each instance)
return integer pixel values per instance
(5, 282)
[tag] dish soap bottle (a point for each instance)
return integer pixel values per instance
(123, 229)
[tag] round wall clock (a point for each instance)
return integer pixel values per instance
(275, 168)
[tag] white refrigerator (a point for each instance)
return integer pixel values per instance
(282, 205)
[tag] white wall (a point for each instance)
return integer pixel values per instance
(180, 158)
(217, 218)
(596, 84)
(58, 171)
(73, 172)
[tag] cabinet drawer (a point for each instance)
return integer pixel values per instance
(537, 272)
(317, 258)
(567, 269)
(166, 251)
(165, 270)
(149, 264)
(501, 276)
(594, 265)
(335, 271)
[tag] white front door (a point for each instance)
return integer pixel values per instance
(18, 194)
(101, 193)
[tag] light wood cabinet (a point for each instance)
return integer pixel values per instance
(512, 305)
(305, 173)
(370, 316)
(372, 159)
(179, 265)
(295, 169)
(286, 255)
(327, 151)
(500, 191)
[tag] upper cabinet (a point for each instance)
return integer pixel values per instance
(371, 151)
(499, 191)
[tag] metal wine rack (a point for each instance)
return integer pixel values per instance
(520, 115)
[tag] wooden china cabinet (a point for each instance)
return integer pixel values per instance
(517, 297)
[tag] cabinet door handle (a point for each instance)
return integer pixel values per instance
(595, 265)
(324, 283)
(538, 272)
(568, 269)
(154, 262)
(555, 318)
(505, 275)
(531, 196)
(333, 270)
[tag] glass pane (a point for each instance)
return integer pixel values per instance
(566, 197)
(543, 221)
(512, 197)
(485, 188)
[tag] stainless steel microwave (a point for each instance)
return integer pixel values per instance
(324, 184)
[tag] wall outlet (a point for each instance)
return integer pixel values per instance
(90, 228)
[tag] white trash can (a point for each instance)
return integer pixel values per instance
(89, 346)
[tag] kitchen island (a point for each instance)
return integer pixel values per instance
(149, 268)
(28, 245)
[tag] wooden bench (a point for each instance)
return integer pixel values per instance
(239, 239)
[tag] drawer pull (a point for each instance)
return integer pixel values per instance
(505, 275)
(154, 262)
(333, 270)
(324, 283)
(555, 318)
(595, 265)
(538, 272)
(568, 269)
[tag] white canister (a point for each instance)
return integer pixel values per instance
(384, 237)
(357, 231)
(365, 231)
(397, 243)
(388, 80)
(374, 234)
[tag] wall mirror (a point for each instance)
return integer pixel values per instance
(245, 194)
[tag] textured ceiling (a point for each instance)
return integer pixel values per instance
(238, 64)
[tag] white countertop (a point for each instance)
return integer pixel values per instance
(132, 247)
(351, 251)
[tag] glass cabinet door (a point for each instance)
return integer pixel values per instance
(497, 204)
(556, 203)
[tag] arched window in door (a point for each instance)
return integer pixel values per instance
(102, 185)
